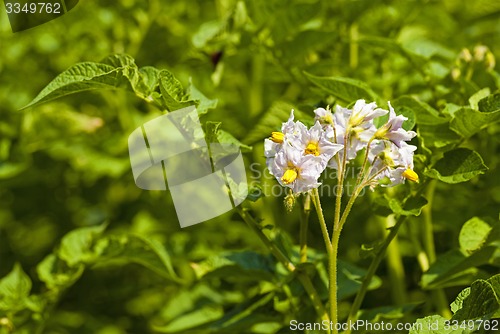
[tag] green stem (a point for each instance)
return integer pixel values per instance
(395, 266)
(438, 295)
(371, 272)
(304, 222)
(353, 46)
(302, 276)
(332, 258)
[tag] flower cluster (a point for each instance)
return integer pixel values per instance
(297, 156)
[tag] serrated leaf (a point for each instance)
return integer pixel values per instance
(482, 301)
(473, 235)
(76, 246)
(346, 89)
(14, 289)
(458, 165)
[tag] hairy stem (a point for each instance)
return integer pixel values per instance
(304, 222)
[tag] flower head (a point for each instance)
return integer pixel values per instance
(393, 129)
(392, 162)
(296, 171)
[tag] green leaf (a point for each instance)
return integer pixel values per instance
(490, 103)
(474, 99)
(278, 113)
(76, 246)
(473, 235)
(424, 113)
(350, 278)
(246, 315)
(467, 122)
(78, 78)
(195, 318)
(214, 134)
(437, 135)
(346, 89)
(203, 103)
(239, 265)
(56, 274)
(14, 290)
(482, 300)
(172, 92)
(435, 324)
(142, 250)
(458, 165)
(454, 268)
(115, 71)
(411, 207)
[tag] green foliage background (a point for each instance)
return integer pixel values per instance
(103, 256)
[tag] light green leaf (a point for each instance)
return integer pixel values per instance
(56, 274)
(172, 92)
(474, 99)
(193, 319)
(14, 289)
(76, 246)
(482, 300)
(78, 78)
(203, 103)
(458, 165)
(346, 89)
(214, 134)
(473, 235)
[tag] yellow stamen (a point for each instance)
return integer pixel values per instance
(312, 148)
(277, 137)
(289, 176)
(410, 175)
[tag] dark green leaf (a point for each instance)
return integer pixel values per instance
(458, 165)
(481, 301)
(346, 89)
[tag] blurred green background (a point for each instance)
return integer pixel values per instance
(64, 165)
